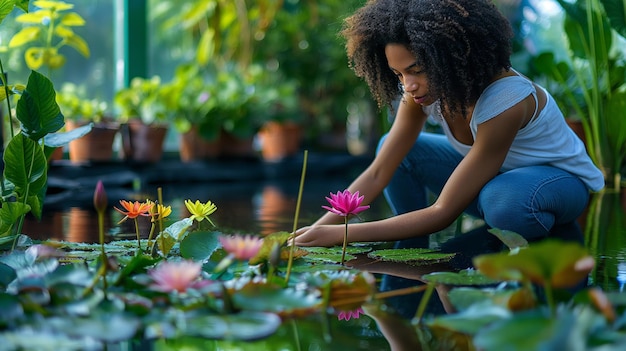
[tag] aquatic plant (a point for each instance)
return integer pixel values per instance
(345, 204)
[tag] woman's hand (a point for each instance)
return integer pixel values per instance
(320, 235)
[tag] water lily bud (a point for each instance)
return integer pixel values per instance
(100, 201)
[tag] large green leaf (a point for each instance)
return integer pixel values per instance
(583, 37)
(246, 326)
(25, 162)
(616, 126)
(616, 12)
(37, 109)
(6, 6)
(199, 246)
(63, 138)
(555, 262)
(532, 330)
(10, 212)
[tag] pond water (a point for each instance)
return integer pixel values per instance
(269, 206)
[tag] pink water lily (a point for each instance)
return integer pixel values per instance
(241, 247)
(345, 203)
(347, 315)
(175, 276)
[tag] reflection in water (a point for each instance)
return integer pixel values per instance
(621, 275)
(242, 207)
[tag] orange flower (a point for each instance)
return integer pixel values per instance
(134, 209)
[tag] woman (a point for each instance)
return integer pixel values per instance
(506, 156)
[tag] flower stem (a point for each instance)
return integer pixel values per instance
(295, 220)
(430, 287)
(137, 231)
(345, 242)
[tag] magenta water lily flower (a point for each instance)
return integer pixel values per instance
(175, 276)
(345, 203)
(347, 315)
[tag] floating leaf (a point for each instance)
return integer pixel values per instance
(10, 309)
(244, 326)
(471, 320)
(337, 250)
(511, 239)
(512, 299)
(413, 257)
(533, 330)
(562, 264)
(327, 257)
(466, 277)
(199, 246)
(108, 327)
(271, 298)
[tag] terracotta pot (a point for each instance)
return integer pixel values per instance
(195, 148)
(97, 145)
(142, 142)
(279, 140)
(233, 146)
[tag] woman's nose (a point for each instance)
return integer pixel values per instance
(410, 85)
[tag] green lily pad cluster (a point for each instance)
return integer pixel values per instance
(415, 257)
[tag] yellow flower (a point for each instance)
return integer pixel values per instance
(200, 211)
(159, 211)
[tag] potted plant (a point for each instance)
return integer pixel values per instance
(188, 97)
(593, 81)
(79, 110)
(281, 133)
(48, 29)
(143, 116)
(217, 106)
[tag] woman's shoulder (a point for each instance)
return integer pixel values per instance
(501, 95)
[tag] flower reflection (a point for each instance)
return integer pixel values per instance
(347, 315)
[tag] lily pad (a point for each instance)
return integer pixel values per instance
(466, 277)
(337, 250)
(260, 297)
(328, 258)
(415, 257)
(244, 326)
(199, 246)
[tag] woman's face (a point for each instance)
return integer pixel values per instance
(404, 65)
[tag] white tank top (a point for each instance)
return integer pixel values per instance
(545, 140)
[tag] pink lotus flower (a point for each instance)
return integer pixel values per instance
(241, 247)
(175, 276)
(347, 315)
(345, 203)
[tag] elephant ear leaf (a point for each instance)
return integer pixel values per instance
(616, 12)
(37, 109)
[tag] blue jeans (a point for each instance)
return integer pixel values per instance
(535, 202)
(530, 201)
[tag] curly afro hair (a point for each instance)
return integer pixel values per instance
(460, 44)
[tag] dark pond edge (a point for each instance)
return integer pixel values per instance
(73, 183)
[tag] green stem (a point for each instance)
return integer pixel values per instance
(424, 302)
(345, 242)
(138, 238)
(549, 298)
(295, 220)
(104, 256)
